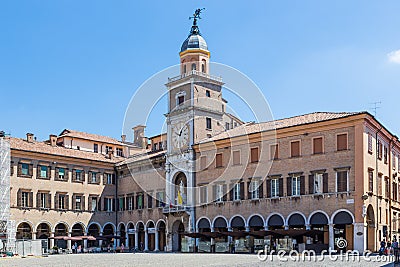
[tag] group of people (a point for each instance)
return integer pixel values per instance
(390, 248)
(76, 248)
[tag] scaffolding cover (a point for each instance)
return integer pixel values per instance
(4, 186)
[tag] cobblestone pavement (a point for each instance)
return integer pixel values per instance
(171, 259)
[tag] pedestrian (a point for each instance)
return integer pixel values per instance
(122, 247)
(141, 246)
(73, 248)
(382, 248)
(389, 247)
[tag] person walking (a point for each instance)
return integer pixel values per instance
(395, 248)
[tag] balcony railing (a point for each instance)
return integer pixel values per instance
(175, 209)
(195, 73)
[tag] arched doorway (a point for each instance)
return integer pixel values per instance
(77, 231)
(122, 234)
(140, 231)
(177, 230)
(256, 223)
(371, 234)
(24, 231)
(108, 234)
(61, 230)
(238, 225)
(151, 235)
(93, 230)
(161, 236)
(275, 222)
(221, 242)
(297, 221)
(343, 229)
(319, 222)
(131, 235)
(204, 244)
(180, 189)
(43, 232)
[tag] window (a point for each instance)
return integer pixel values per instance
(380, 181)
(25, 196)
(370, 181)
(139, 201)
(341, 181)
(254, 189)
(226, 125)
(219, 193)
(237, 192)
(121, 204)
(93, 203)
(387, 187)
(394, 192)
(149, 201)
(203, 68)
(254, 155)
(393, 161)
(274, 187)
(109, 178)
(78, 175)
(274, 153)
(109, 204)
(181, 99)
(61, 173)
(108, 149)
(380, 149)
(296, 186)
(341, 142)
(318, 183)
(203, 194)
(155, 146)
(78, 202)
(93, 177)
(119, 152)
(96, 148)
(236, 157)
(385, 154)
(208, 94)
(160, 202)
(295, 149)
(370, 143)
(193, 66)
(160, 146)
(43, 199)
(318, 145)
(218, 160)
(62, 201)
(208, 123)
(129, 202)
(184, 69)
(25, 169)
(43, 172)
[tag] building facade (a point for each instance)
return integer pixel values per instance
(212, 183)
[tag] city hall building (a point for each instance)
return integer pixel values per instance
(211, 183)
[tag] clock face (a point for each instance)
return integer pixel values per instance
(180, 135)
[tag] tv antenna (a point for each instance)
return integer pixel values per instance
(376, 106)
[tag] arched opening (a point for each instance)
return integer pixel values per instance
(177, 236)
(193, 66)
(60, 231)
(131, 235)
(343, 229)
(122, 234)
(140, 229)
(275, 222)
(43, 232)
(180, 189)
(320, 240)
(296, 221)
(203, 66)
(204, 244)
(221, 242)
(93, 230)
(240, 242)
(24, 231)
(371, 237)
(151, 230)
(108, 235)
(184, 69)
(256, 223)
(77, 231)
(161, 236)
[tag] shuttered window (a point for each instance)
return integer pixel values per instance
(236, 157)
(295, 149)
(317, 145)
(341, 142)
(370, 143)
(341, 181)
(218, 160)
(370, 181)
(254, 155)
(274, 152)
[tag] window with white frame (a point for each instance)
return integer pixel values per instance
(236, 192)
(109, 178)
(25, 199)
(219, 193)
(93, 178)
(254, 189)
(94, 204)
(78, 202)
(129, 203)
(43, 200)
(296, 186)
(109, 204)
(274, 187)
(318, 183)
(203, 194)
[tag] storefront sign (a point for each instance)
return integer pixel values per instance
(131, 231)
(151, 230)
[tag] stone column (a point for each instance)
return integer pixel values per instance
(331, 237)
(286, 227)
(146, 240)
(84, 243)
(100, 241)
(127, 240)
(34, 235)
(51, 240)
(136, 239)
(308, 226)
(69, 243)
(118, 240)
(157, 247)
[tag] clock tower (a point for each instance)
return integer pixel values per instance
(195, 110)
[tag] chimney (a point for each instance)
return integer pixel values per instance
(123, 138)
(53, 140)
(138, 136)
(29, 137)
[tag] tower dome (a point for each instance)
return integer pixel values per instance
(194, 40)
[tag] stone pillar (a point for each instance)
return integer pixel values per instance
(34, 235)
(359, 237)
(100, 241)
(157, 241)
(51, 240)
(84, 243)
(69, 243)
(136, 239)
(286, 227)
(308, 226)
(331, 237)
(127, 240)
(146, 240)
(118, 240)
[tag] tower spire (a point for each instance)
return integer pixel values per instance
(195, 29)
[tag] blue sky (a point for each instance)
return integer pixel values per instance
(76, 64)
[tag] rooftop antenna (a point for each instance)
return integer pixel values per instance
(376, 106)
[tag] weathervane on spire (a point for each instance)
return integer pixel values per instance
(196, 15)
